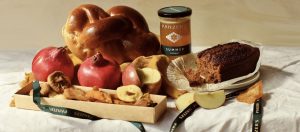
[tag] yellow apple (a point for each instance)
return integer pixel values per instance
(184, 101)
(151, 79)
(210, 100)
(129, 93)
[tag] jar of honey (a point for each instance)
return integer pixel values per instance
(175, 30)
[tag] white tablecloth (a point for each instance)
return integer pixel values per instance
(280, 72)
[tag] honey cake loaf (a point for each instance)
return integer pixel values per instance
(224, 62)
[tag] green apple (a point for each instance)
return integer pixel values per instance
(184, 101)
(210, 100)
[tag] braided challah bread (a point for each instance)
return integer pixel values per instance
(121, 33)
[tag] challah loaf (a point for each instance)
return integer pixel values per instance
(121, 33)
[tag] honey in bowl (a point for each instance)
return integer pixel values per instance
(175, 30)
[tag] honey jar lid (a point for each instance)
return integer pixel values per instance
(174, 11)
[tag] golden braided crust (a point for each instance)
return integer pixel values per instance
(121, 34)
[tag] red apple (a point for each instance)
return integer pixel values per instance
(130, 76)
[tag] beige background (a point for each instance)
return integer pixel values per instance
(38, 23)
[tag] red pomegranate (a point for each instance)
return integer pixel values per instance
(51, 59)
(98, 71)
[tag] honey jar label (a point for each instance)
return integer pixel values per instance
(175, 51)
(175, 37)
